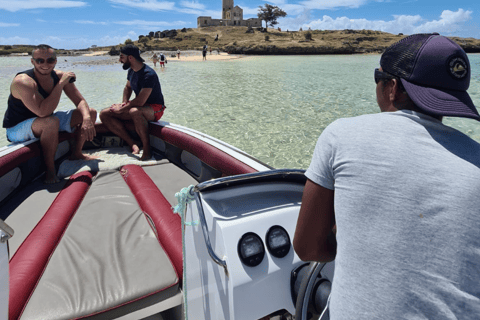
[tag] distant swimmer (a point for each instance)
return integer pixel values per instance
(178, 53)
(148, 104)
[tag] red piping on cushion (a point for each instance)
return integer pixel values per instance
(31, 258)
(207, 153)
(167, 224)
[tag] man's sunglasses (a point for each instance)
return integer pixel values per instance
(42, 61)
(379, 75)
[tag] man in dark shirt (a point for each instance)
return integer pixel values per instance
(148, 104)
(34, 96)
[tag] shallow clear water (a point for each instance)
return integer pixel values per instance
(274, 108)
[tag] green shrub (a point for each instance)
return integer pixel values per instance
(143, 40)
(267, 38)
(308, 36)
(128, 41)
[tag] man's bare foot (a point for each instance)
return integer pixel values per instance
(146, 156)
(135, 149)
(51, 178)
(82, 156)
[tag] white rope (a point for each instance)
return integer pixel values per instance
(184, 197)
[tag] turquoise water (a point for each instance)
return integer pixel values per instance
(274, 108)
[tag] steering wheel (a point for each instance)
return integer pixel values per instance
(313, 294)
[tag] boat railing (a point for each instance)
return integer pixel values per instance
(206, 236)
(284, 175)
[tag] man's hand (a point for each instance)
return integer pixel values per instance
(88, 129)
(118, 108)
(66, 78)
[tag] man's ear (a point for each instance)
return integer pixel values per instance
(394, 88)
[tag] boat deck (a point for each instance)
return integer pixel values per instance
(97, 245)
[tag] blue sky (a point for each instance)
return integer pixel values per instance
(77, 24)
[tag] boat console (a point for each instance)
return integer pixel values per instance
(238, 241)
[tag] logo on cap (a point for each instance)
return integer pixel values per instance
(458, 68)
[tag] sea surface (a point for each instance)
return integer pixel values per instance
(273, 108)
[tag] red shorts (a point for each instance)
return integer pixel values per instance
(162, 63)
(158, 110)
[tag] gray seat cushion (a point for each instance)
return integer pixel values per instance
(107, 262)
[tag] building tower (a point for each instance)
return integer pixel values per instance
(227, 6)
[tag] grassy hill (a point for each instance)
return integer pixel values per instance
(237, 40)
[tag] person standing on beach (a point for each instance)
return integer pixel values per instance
(162, 60)
(34, 96)
(204, 52)
(178, 53)
(155, 60)
(148, 104)
(401, 189)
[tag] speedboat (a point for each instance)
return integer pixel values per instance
(201, 231)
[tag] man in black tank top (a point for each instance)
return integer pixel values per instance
(34, 96)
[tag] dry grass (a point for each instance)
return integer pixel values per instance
(237, 40)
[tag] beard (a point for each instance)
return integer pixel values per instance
(126, 65)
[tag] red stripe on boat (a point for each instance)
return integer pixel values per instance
(207, 153)
(31, 258)
(168, 225)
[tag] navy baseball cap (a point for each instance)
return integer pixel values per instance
(132, 50)
(435, 72)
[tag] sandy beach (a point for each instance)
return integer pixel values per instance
(197, 56)
(185, 56)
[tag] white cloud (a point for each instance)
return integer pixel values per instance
(18, 5)
(150, 24)
(73, 42)
(152, 5)
(3, 24)
(90, 22)
(78, 43)
(15, 40)
(114, 40)
(192, 5)
(329, 4)
(448, 23)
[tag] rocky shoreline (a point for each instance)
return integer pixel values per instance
(258, 41)
(274, 50)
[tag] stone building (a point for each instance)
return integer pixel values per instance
(231, 16)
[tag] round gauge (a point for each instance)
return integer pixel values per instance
(278, 242)
(251, 249)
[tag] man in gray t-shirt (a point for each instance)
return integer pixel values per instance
(402, 191)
